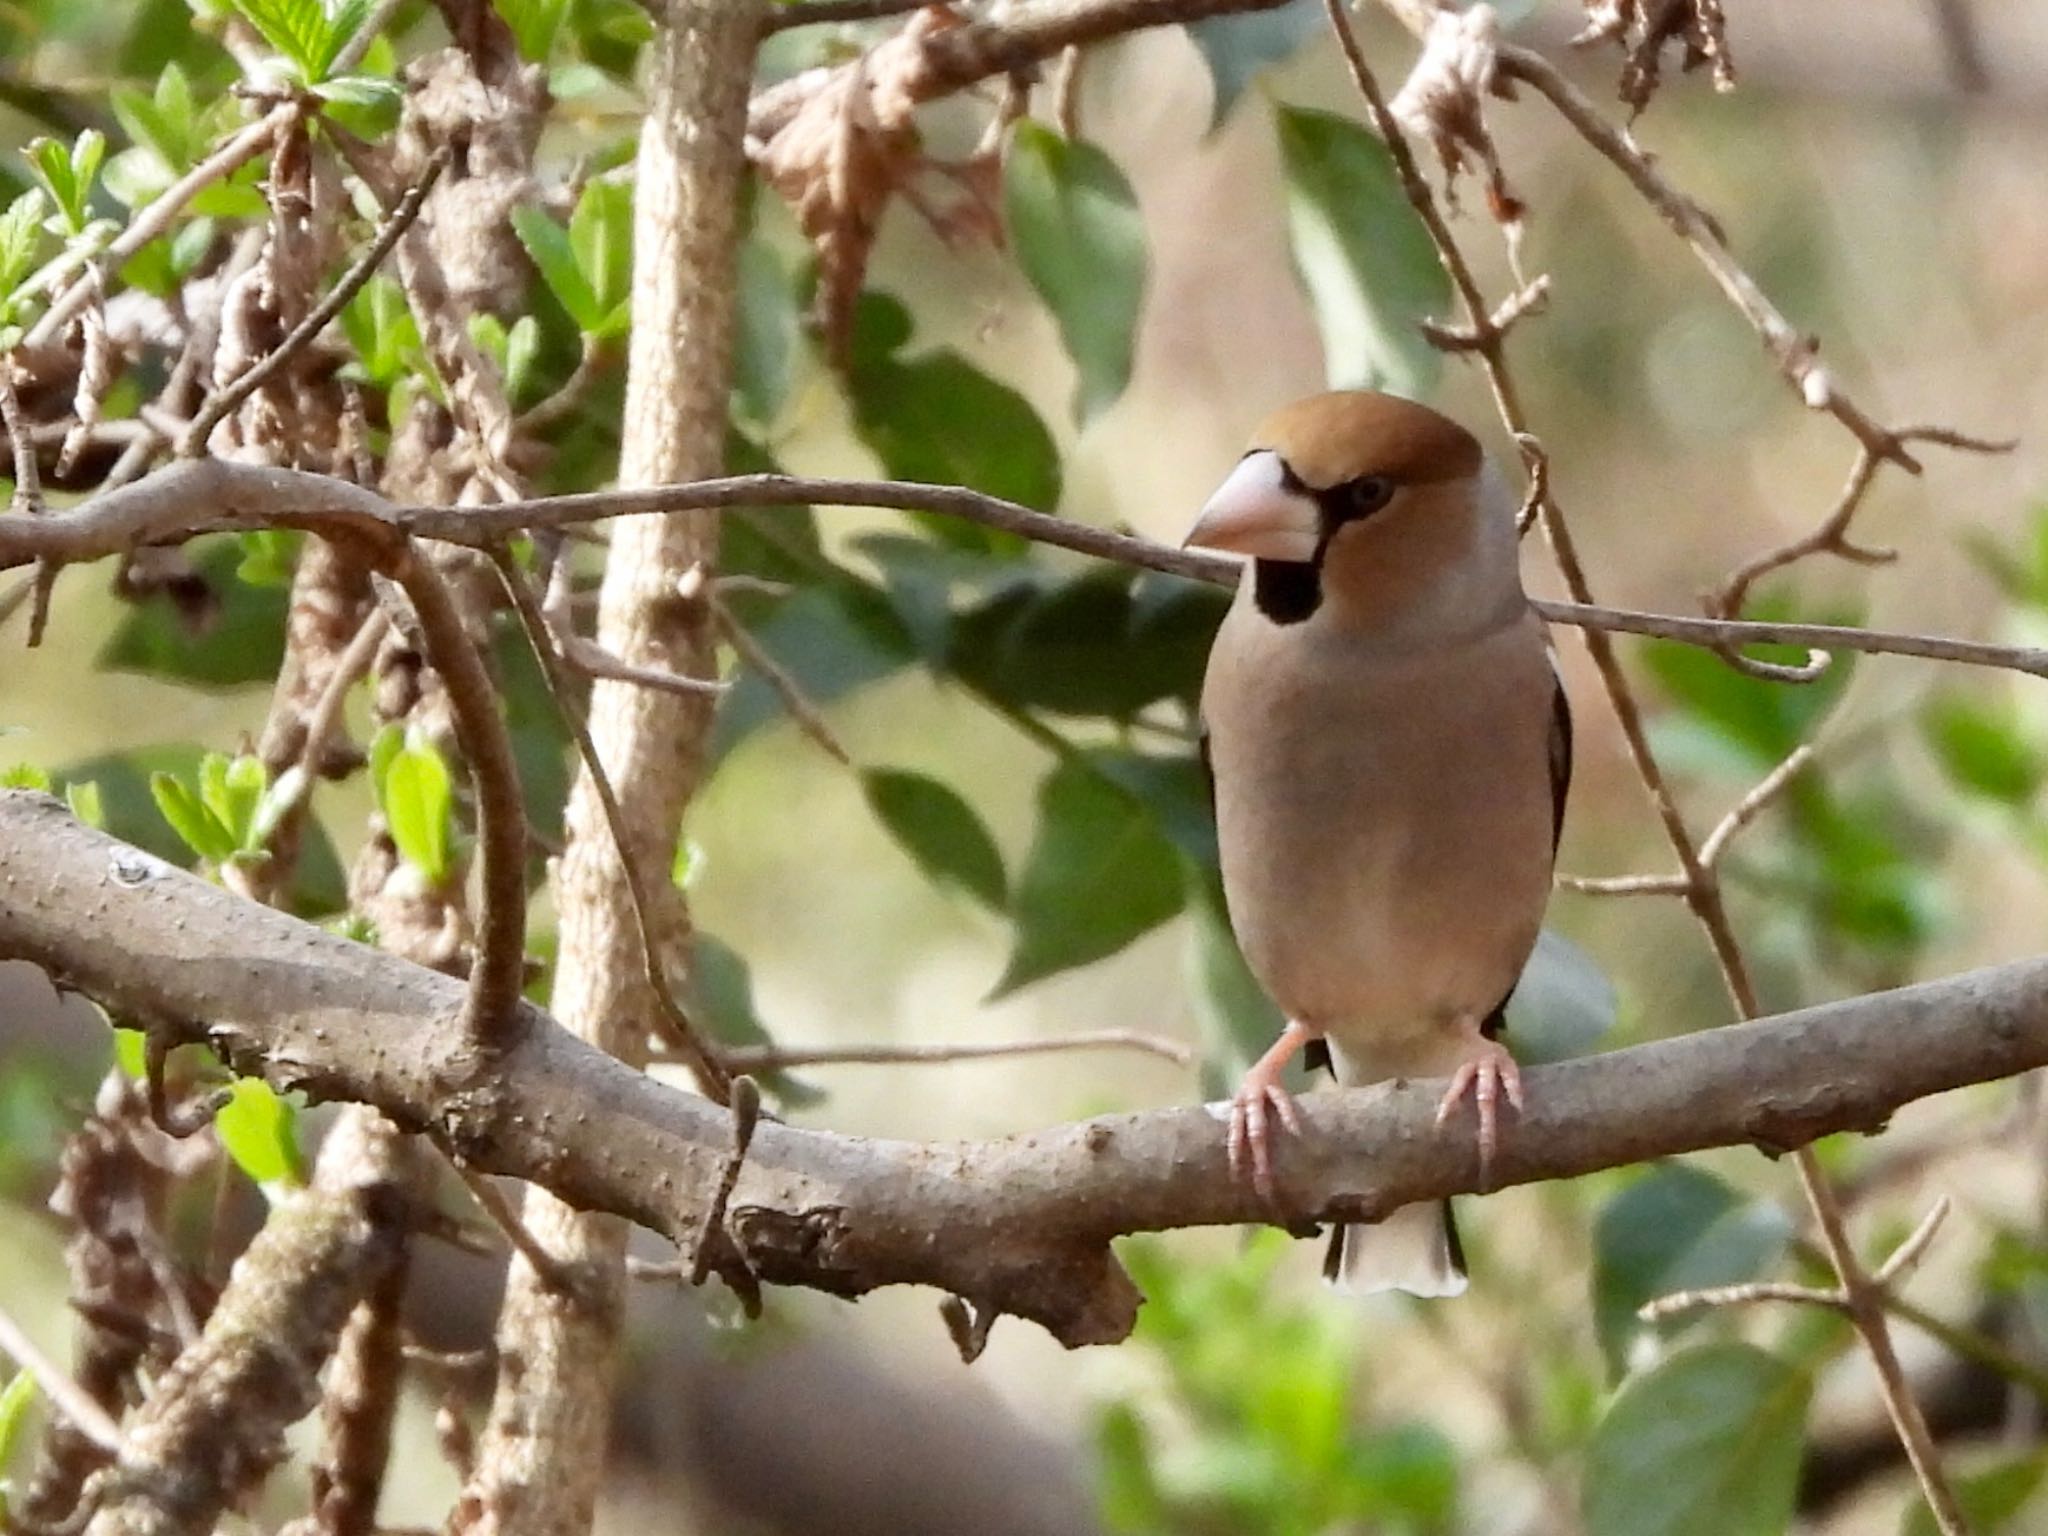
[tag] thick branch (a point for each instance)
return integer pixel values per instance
(1023, 1223)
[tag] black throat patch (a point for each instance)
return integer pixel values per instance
(1287, 591)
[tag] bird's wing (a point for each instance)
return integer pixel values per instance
(1560, 753)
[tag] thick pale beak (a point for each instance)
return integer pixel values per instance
(1254, 513)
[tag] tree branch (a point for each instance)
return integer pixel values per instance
(1026, 1220)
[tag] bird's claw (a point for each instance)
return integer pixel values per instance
(1257, 1103)
(1487, 1073)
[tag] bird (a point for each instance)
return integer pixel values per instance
(1389, 746)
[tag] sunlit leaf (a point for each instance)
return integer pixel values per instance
(85, 803)
(547, 243)
(534, 24)
(131, 1052)
(197, 827)
(601, 238)
(1074, 223)
(1100, 873)
(1707, 1444)
(1365, 259)
(419, 807)
(15, 1400)
(939, 830)
(258, 1127)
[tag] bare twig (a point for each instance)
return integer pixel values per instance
(712, 1236)
(1914, 1248)
(242, 147)
(592, 659)
(1754, 804)
(86, 1416)
(1796, 357)
(494, 1205)
(775, 1058)
(1680, 1302)
(699, 1054)
(28, 479)
(226, 399)
(808, 717)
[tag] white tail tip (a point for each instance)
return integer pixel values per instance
(1415, 1250)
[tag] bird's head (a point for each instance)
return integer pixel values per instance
(1369, 497)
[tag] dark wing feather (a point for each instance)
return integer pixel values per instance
(1560, 753)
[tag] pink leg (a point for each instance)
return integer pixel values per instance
(1258, 1098)
(1487, 1072)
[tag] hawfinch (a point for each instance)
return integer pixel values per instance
(1390, 749)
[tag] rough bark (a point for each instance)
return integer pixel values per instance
(541, 1459)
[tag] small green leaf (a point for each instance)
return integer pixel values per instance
(15, 1399)
(1707, 1444)
(384, 749)
(1100, 873)
(1676, 1228)
(940, 831)
(1367, 263)
(27, 776)
(419, 805)
(231, 790)
(21, 237)
(268, 557)
(68, 171)
(601, 237)
(547, 243)
(1990, 1499)
(259, 1129)
(1984, 751)
(195, 825)
(84, 801)
(1074, 221)
(522, 351)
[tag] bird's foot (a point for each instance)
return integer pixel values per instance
(1260, 1100)
(1488, 1073)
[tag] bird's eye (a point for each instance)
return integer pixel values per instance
(1366, 495)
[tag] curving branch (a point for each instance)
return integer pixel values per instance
(1023, 1224)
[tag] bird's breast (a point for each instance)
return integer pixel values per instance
(1384, 819)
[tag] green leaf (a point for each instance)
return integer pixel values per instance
(547, 243)
(382, 332)
(722, 996)
(27, 776)
(1674, 1229)
(419, 807)
(770, 334)
(1562, 1005)
(1984, 751)
(233, 790)
(68, 171)
(259, 1129)
(1990, 1499)
(384, 749)
(1237, 48)
(196, 826)
(1074, 222)
(940, 831)
(1707, 1444)
(1238, 1021)
(85, 803)
(601, 238)
(1367, 263)
(268, 557)
(522, 352)
(1100, 873)
(938, 419)
(15, 1399)
(227, 631)
(21, 237)
(534, 24)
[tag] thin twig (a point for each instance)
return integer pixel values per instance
(1755, 803)
(775, 1058)
(154, 220)
(699, 1054)
(28, 479)
(808, 717)
(1679, 1302)
(226, 399)
(592, 659)
(1795, 355)
(86, 1416)
(506, 1219)
(745, 1107)
(1914, 1248)
(1625, 885)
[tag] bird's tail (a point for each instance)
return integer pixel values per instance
(1416, 1249)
